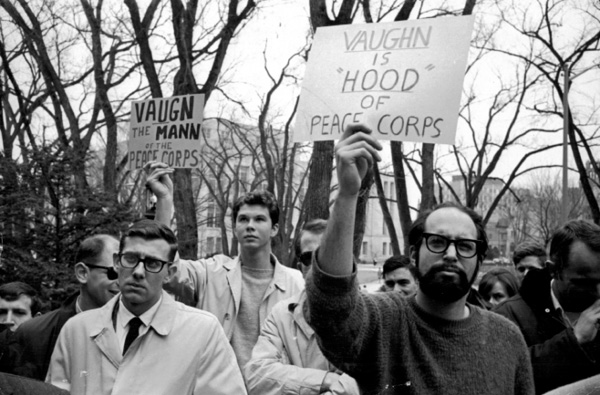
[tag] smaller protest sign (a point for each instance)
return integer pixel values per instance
(166, 130)
(402, 79)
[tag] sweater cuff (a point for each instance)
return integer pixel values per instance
(329, 283)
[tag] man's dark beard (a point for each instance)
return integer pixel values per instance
(445, 288)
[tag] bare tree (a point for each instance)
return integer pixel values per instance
(552, 51)
(209, 47)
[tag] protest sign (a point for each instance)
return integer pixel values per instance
(166, 130)
(402, 79)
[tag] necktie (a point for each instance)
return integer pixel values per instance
(134, 329)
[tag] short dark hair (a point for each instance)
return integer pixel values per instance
(315, 226)
(260, 198)
(148, 229)
(14, 290)
(415, 235)
(562, 239)
(91, 248)
(502, 275)
(526, 249)
(399, 262)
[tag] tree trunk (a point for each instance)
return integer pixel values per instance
(360, 220)
(387, 217)
(316, 201)
(401, 191)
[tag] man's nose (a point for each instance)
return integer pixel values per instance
(450, 253)
(9, 320)
(139, 270)
(397, 287)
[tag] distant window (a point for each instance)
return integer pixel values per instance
(244, 173)
(384, 248)
(212, 215)
(365, 245)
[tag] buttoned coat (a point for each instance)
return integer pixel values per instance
(183, 352)
(215, 285)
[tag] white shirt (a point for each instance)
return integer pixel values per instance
(124, 316)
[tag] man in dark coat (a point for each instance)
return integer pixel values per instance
(17, 385)
(558, 311)
(33, 343)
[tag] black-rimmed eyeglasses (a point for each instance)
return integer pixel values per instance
(465, 248)
(130, 260)
(111, 273)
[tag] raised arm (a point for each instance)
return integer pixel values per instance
(354, 155)
(160, 184)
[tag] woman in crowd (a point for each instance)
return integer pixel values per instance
(497, 285)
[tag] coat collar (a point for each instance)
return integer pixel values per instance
(234, 267)
(102, 330)
(162, 323)
(299, 310)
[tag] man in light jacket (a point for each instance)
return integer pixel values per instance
(240, 292)
(143, 341)
(287, 359)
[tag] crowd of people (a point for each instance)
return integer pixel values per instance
(146, 321)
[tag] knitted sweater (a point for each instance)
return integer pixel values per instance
(391, 346)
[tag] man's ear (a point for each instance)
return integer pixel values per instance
(81, 272)
(274, 230)
(412, 254)
(171, 272)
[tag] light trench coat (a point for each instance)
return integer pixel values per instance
(215, 285)
(287, 360)
(183, 352)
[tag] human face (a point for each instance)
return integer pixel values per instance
(446, 277)
(140, 289)
(98, 286)
(526, 264)
(14, 313)
(401, 280)
(498, 294)
(577, 287)
(308, 243)
(253, 227)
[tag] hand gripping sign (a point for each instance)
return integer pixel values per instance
(166, 130)
(402, 79)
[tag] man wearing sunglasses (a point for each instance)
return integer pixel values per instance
(94, 270)
(287, 358)
(434, 343)
(143, 341)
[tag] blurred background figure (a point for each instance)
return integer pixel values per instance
(400, 275)
(497, 285)
(529, 256)
(18, 303)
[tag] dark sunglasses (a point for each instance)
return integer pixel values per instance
(111, 273)
(392, 283)
(306, 258)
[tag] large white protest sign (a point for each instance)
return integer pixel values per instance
(402, 79)
(166, 130)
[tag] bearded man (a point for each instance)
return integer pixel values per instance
(432, 343)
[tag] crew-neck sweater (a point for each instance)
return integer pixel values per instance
(390, 345)
(247, 326)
